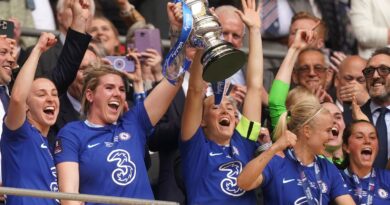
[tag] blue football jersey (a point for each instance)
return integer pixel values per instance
(27, 163)
(380, 192)
(210, 171)
(111, 158)
(282, 183)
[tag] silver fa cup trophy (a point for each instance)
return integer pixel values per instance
(220, 59)
(201, 29)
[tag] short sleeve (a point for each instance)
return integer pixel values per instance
(67, 146)
(139, 115)
(194, 152)
(338, 186)
(22, 133)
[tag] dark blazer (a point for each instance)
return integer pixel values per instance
(66, 114)
(165, 139)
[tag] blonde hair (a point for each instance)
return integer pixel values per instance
(303, 107)
(92, 79)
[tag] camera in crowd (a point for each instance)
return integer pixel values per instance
(122, 63)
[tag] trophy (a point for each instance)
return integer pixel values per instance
(220, 59)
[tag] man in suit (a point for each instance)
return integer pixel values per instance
(70, 101)
(349, 82)
(377, 108)
(64, 15)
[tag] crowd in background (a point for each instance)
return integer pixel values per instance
(305, 121)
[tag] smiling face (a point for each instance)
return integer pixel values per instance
(42, 103)
(379, 86)
(103, 31)
(218, 120)
(7, 61)
(107, 100)
(311, 70)
(320, 132)
(362, 145)
(338, 127)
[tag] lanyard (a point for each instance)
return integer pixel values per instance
(305, 182)
(359, 187)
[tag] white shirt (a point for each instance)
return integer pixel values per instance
(43, 15)
(75, 103)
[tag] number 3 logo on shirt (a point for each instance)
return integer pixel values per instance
(229, 184)
(125, 172)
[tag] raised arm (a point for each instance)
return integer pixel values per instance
(280, 86)
(158, 101)
(302, 39)
(252, 174)
(21, 89)
(193, 106)
(254, 75)
(76, 44)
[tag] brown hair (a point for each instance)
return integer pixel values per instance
(321, 29)
(92, 79)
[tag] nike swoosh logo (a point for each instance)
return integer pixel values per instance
(287, 181)
(212, 154)
(43, 146)
(92, 145)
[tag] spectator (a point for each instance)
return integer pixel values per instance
(376, 109)
(311, 72)
(102, 30)
(282, 167)
(212, 145)
(361, 146)
(350, 82)
(371, 25)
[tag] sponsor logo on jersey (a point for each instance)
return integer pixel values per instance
(125, 171)
(229, 184)
(109, 144)
(213, 154)
(285, 181)
(124, 136)
(92, 145)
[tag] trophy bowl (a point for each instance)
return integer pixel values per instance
(221, 61)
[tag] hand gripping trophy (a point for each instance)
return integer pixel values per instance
(201, 29)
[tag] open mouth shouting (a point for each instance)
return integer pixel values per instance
(49, 111)
(335, 132)
(113, 105)
(224, 121)
(366, 153)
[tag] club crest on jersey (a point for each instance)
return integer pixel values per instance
(324, 188)
(383, 193)
(124, 136)
(125, 172)
(229, 184)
